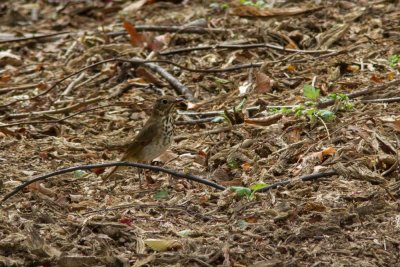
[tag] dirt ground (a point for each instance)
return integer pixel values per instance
(50, 120)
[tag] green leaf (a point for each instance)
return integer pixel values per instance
(240, 106)
(233, 164)
(79, 173)
(310, 92)
(393, 60)
(257, 186)
(221, 81)
(185, 233)
(326, 115)
(241, 191)
(161, 194)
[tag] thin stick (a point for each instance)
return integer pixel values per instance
(162, 29)
(365, 91)
(139, 28)
(52, 111)
(32, 37)
(194, 122)
(382, 100)
(52, 121)
(246, 46)
(326, 128)
(175, 83)
(118, 163)
(19, 87)
(73, 84)
(310, 177)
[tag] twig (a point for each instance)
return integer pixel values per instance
(193, 122)
(302, 178)
(32, 37)
(139, 206)
(139, 28)
(19, 87)
(219, 112)
(72, 85)
(177, 85)
(118, 163)
(382, 100)
(55, 84)
(54, 111)
(51, 121)
(162, 29)
(366, 91)
(58, 82)
(326, 128)
(247, 46)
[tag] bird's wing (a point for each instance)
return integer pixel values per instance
(145, 136)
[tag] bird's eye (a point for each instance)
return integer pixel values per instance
(164, 101)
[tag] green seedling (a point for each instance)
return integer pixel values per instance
(241, 191)
(393, 60)
(311, 92)
(161, 194)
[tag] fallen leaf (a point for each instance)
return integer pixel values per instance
(133, 7)
(98, 170)
(330, 151)
(246, 167)
(376, 78)
(390, 76)
(162, 244)
(137, 39)
(395, 125)
(291, 68)
(263, 83)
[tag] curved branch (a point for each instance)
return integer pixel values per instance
(304, 178)
(118, 163)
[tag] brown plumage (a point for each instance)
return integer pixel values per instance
(156, 135)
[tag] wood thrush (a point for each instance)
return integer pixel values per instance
(156, 135)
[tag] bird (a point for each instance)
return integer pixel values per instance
(156, 135)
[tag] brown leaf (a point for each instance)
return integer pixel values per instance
(137, 39)
(98, 170)
(395, 125)
(376, 78)
(291, 68)
(263, 83)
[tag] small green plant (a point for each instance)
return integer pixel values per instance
(344, 103)
(311, 92)
(310, 108)
(233, 164)
(161, 194)
(393, 60)
(241, 191)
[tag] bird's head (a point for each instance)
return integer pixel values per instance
(165, 104)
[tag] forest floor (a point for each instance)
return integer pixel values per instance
(306, 87)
